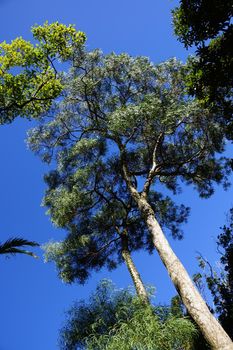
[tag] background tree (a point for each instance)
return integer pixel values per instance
(14, 245)
(208, 25)
(220, 283)
(115, 319)
(29, 80)
(127, 125)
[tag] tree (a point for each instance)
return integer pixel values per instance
(74, 263)
(14, 245)
(220, 283)
(123, 127)
(208, 25)
(29, 80)
(115, 319)
(106, 239)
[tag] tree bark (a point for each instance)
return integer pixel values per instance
(139, 286)
(196, 306)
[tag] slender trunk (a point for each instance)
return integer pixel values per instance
(139, 286)
(196, 306)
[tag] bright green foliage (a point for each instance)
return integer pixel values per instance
(29, 80)
(58, 40)
(208, 25)
(178, 309)
(144, 332)
(122, 110)
(116, 319)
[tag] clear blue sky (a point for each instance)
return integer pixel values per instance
(33, 299)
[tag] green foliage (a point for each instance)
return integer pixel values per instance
(207, 24)
(144, 332)
(177, 307)
(178, 310)
(13, 246)
(116, 319)
(29, 80)
(94, 241)
(198, 20)
(58, 40)
(117, 109)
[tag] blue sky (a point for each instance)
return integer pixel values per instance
(33, 299)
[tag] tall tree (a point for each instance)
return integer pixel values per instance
(29, 79)
(115, 319)
(208, 25)
(124, 126)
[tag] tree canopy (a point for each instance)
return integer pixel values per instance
(124, 135)
(29, 79)
(208, 25)
(86, 194)
(124, 132)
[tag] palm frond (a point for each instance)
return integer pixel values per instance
(11, 246)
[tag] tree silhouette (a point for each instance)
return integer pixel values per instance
(13, 246)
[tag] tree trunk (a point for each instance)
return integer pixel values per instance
(196, 306)
(139, 286)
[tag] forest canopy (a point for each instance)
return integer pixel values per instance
(122, 137)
